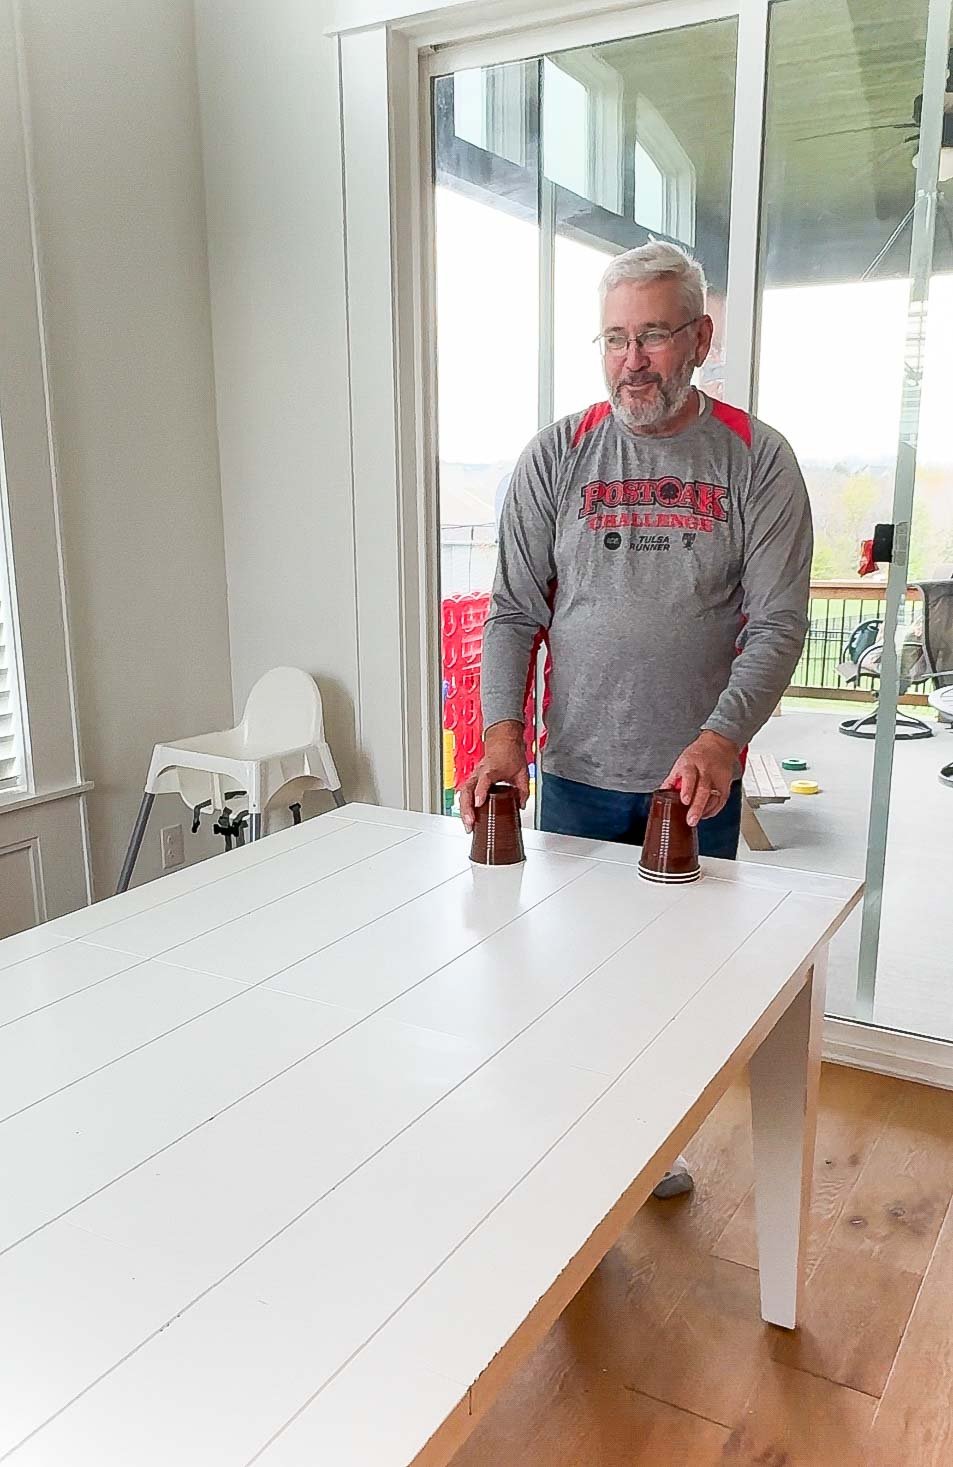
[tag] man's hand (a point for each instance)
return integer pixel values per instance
(703, 775)
(504, 760)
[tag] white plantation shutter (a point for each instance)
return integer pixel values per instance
(39, 748)
(11, 750)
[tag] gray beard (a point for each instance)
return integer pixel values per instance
(669, 400)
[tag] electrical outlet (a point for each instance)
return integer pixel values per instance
(173, 847)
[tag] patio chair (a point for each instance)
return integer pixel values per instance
(925, 655)
(942, 700)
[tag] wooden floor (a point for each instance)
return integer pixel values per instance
(662, 1361)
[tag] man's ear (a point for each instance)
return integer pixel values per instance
(706, 327)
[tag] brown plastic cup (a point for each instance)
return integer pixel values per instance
(670, 849)
(497, 834)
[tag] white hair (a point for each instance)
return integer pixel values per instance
(658, 260)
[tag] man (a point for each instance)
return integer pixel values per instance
(662, 542)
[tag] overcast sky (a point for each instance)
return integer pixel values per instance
(830, 369)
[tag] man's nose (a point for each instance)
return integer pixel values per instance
(635, 357)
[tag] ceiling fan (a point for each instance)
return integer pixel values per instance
(913, 128)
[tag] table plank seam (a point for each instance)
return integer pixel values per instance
(597, 1100)
(280, 1073)
(201, 973)
(431, 972)
(165, 957)
(217, 926)
(89, 941)
(666, 1130)
(88, 988)
(203, 886)
(55, 947)
(708, 991)
(161, 957)
(372, 1156)
(332, 1187)
(751, 868)
(682, 896)
(206, 1120)
(136, 1048)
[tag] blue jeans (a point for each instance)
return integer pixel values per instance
(569, 808)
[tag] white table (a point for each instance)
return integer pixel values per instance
(304, 1148)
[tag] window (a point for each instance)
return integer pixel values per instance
(583, 126)
(566, 151)
(664, 177)
(11, 721)
(469, 107)
(541, 168)
(39, 753)
(839, 241)
(489, 110)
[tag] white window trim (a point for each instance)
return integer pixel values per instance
(605, 89)
(21, 781)
(653, 133)
(505, 103)
(888, 1052)
(37, 583)
(502, 102)
(546, 29)
(504, 26)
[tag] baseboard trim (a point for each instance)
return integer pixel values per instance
(907, 1056)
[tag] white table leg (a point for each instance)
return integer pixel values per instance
(784, 1080)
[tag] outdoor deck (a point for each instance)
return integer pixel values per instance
(828, 832)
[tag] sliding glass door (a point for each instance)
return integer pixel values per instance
(543, 170)
(547, 166)
(854, 366)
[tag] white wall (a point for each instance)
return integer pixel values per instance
(456, 19)
(120, 215)
(268, 81)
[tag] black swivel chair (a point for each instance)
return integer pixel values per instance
(925, 658)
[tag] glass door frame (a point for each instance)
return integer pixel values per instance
(630, 24)
(386, 52)
(925, 206)
(741, 294)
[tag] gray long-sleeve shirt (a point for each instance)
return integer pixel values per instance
(672, 577)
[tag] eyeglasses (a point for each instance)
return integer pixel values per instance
(616, 342)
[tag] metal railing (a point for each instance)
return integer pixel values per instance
(468, 555)
(836, 608)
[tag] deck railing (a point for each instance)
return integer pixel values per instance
(468, 554)
(836, 608)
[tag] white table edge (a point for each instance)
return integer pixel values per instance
(835, 904)
(807, 883)
(447, 1439)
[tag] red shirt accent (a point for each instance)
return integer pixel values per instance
(590, 419)
(733, 418)
(736, 420)
(541, 639)
(743, 755)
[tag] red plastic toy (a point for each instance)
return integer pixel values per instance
(462, 652)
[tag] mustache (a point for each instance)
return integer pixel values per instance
(638, 379)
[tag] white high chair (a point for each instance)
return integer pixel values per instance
(279, 743)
